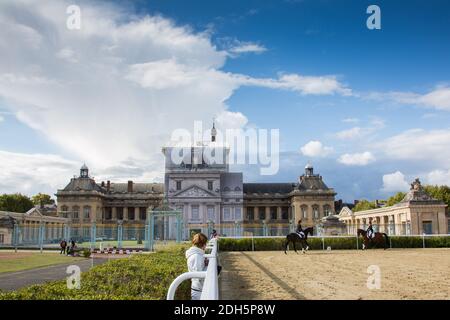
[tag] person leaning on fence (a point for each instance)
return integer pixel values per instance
(195, 256)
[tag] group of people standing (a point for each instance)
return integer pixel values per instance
(66, 249)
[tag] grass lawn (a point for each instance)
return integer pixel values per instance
(17, 261)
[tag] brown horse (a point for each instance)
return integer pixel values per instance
(295, 237)
(379, 238)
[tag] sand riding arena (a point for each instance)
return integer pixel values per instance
(338, 274)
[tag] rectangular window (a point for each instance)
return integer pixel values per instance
(130, 213)
(75, 213)
(226, 214)
(427, 227)
(195, 215)
(2, 238)
(211, 213)
(178, 185)
(262, 213)
(250, 214)
(285, 213)
(210, 185)
(273, 213)
(237, 213)
(143, 213)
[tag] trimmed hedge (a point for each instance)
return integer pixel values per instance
(138, 277)
(275, 244)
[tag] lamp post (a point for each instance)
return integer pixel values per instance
(119, 233)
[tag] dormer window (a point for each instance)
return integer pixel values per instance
(210, 185)
(178, 185)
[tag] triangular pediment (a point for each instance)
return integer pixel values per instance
(195, 192)
(345, 212)
(34, 212)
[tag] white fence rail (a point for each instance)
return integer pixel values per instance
(211, 284)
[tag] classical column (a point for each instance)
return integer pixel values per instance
(136, 214)
(217, 214)
(125, 213)
(114, 214)
(256, 213)
(279, 214)
(267, 218)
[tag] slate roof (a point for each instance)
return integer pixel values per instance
(230, 181)
(137, 187)
(262, 188)
(83, 184)
(311, 183)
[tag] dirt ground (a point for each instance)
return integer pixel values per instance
(14, 255)
(339, 274)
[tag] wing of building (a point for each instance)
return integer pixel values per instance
(417, 213)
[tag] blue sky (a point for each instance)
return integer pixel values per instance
(398, 77)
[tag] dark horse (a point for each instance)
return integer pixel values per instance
(379, 238)
(294, 237)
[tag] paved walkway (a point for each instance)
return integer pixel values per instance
(15, 280)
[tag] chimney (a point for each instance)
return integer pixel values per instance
(130, 186)
(103, 184)
(108, 185)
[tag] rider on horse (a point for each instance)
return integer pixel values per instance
(370, 232)
(299, 230)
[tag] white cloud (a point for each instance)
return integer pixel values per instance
(418, 145)
(349, 134)
(394, 182)
(360, 132)
(305, 85)
(439, 98)
(231, 120)
(33, 173)
(315, 149)
(356, 159)
(350, 120)
(247, 47)
(438, 177)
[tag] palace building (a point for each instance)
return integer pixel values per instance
(205, 192)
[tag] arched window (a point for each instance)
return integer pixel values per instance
(304, 210)
(237, 189)
(326, 210)
(86, 212)
(315, 211)
(75, 212)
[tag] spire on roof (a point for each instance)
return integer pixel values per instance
(213, 132)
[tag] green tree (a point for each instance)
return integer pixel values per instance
(439, 192)
(15, 203)
(395, 199)
(364, 205)
(41, 199)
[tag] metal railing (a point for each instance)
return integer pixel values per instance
(211, 284)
